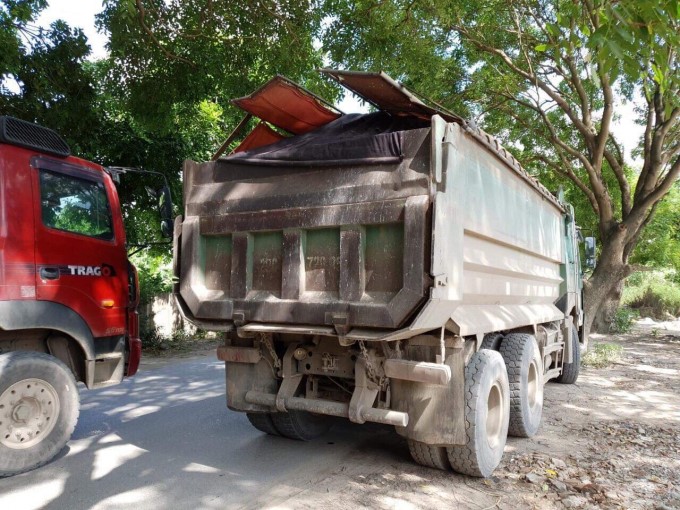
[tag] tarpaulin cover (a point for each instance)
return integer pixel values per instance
(388, 95)
(372, 138)
(260, 136)
(286, 105)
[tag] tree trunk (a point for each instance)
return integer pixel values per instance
(607, 312)
(602, 291)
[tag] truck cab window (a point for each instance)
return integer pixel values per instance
(75, 205)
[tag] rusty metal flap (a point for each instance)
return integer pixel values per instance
(261, 136)
(287, 105)
(388, 95)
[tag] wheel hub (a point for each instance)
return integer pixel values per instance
(495, 411)
(532, 385)
(28, 412)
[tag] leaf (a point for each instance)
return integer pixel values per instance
(541, 47)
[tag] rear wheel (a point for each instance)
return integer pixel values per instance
(39, 406)
(300, 425)
(429, 456)
(571, 370)
(487, 413)
(525, 374)
(263, 422)
(492, 341)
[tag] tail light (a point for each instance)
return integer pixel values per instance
(133, 286)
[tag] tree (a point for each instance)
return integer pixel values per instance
(557, 69)
(49, 69)
(169, 56)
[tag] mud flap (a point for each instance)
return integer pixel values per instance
(436, 413)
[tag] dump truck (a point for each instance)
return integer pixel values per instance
(397, 267)
(68, 293)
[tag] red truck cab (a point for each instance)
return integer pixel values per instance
(68, 294)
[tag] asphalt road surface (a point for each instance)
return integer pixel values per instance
(165, 439)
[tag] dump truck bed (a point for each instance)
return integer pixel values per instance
(451, 234)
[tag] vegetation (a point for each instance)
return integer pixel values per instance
(623, 320)
(602, 355)
(547, 77)
(654, 294)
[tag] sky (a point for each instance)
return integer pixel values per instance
(81, 14)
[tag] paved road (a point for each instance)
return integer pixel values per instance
(165, 439)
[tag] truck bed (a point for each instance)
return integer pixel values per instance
(453, 235)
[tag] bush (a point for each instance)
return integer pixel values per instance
(152, 339)
(602, 355)
(623, 320)
(653, 294)
(155, 274)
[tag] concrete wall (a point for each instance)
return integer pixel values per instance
(165, 315)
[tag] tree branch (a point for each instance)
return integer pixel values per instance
(154, 39)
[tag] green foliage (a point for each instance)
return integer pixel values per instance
(168, 56)
(653, 294)
(659, 245)
(155, 274)
(623, 320)
(602, 355)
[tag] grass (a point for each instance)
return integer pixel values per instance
(602, 355)
(653, 294)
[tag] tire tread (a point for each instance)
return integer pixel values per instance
(429, 456)
(464, 459)
(513, 349)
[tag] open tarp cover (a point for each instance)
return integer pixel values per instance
(372, 138)
(288, 106)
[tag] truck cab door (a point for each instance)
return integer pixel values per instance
(80, 246)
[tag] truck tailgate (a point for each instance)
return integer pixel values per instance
(343, 246)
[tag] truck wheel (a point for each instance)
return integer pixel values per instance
(300, 425)
(571, 370)
(39, 406)
(429, 456)
(492, 341)
(525, 374)
(263, 422)
(487, 413)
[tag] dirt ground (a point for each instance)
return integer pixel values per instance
(610, 441)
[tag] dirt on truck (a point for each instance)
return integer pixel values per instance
(397, 267)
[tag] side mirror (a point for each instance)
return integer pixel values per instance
(590, 252)
(165, 210)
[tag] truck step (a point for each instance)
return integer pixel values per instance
(551, 374)
(550, 348)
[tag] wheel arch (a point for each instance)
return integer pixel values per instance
(65, 333)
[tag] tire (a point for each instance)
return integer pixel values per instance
(300, 425)
(525, 374)
(263, 422)
(429, 456)
(492, 341)
(486, 389)
(571, 370)
(38, 395)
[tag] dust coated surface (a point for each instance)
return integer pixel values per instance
(165, 439)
